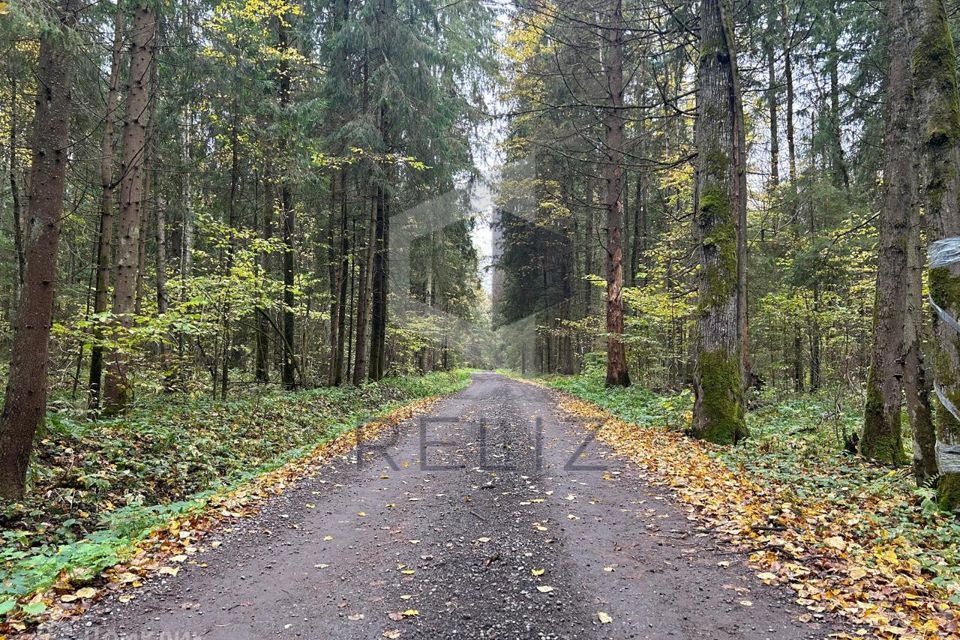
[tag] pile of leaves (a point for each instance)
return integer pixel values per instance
(98, 487)
(847, 537)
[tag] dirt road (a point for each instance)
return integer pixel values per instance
(489, 526)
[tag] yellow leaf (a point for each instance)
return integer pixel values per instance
(836, 542)
(604, 617)
(858, 572)
(410, 613)
(537, 572)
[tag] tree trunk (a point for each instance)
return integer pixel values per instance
(262, 355)
(798, 380)
(117, 390)
(25, 401)
(232, 226)
(338, 364)
(788, 79)
(333, 274)
(105, 231)
(882, 438)
(288, 371)
(938, 101)
(378, 314)
(186, 228)
(144, 216)
(363, 300)
(640, 223)
(16, 211)
(617, 373)
(769, 51)
(916, 383)
(838, 165)
(718, 414)
(588, 251)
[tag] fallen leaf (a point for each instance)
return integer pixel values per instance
(604, 617)
(858, 572)
(836, 542)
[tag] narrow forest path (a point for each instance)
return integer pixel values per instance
(367, 551)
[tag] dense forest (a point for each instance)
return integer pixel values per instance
(725, 195)
(230, 229)
(740, 197)
(213, 186)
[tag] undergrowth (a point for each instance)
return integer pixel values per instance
(98, 486)
(798, 441)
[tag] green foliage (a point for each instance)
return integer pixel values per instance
(797, 440)
(98, 487)
(634, 404)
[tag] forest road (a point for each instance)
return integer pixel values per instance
(489, 526)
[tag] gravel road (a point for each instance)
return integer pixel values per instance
(492, 517)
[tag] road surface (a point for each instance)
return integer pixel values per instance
(490, 526)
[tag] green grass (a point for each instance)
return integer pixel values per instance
(98, 487)
(798, 441)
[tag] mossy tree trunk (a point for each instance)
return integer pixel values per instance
(718, 413)
(881, 439)
(938, 100)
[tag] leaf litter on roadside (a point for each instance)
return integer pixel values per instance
(179, 540)
(831, 552)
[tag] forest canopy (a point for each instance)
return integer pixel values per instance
(728, 199)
